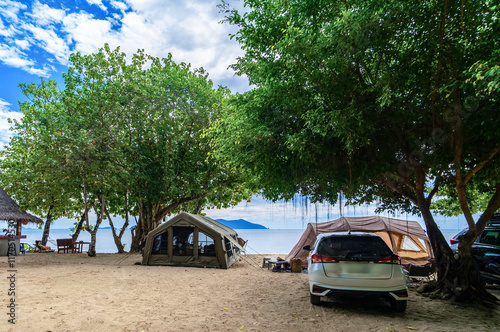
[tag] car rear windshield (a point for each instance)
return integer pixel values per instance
(354, 248)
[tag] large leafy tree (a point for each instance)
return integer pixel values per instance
(122, 138)
(168, 157)
(379, 100)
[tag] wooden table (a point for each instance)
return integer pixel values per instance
(79, 246)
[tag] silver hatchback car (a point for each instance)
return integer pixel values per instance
(357, 264)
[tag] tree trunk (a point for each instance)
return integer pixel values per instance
(199, 207)
(80, 226)
(46, 229)
(146, 223)
(93, 239)
(93, 231)
(117, 237)
(457, 276)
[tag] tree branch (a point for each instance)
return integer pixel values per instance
(480, 165)
(163, 212)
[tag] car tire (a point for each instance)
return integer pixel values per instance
(399, 306)
(315, 299)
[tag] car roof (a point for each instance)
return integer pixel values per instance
(346, 234)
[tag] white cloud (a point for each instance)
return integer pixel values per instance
(44, 15)
(119, 5)
(137, 33)
(22, 44)
(6, 113)
(13, 57)
(87, 33)
(190, 30)
(6, 31)
(50, 42)
(10, 9)
(98, 3)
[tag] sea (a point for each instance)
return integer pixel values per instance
(260, 241)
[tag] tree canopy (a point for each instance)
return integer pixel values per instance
(383, 101)
(124, 137)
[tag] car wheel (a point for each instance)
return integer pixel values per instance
(315, 299)
(399, 306)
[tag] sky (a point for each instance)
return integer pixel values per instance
(37, 37)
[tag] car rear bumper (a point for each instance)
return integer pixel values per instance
(400, 294)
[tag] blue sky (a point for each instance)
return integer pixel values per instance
(37, 37)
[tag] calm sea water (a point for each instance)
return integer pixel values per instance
(260, 241)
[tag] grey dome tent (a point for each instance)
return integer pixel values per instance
(405, 237)
(192, 240)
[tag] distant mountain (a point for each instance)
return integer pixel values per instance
(240, 224)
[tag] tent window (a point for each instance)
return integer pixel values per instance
(182, 241)
(229, 247)
(410, 244)
(236, 249)
(206, 245)
(160, 244)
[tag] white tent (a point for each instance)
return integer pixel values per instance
(405, 237)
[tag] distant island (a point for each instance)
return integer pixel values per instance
(240, 224)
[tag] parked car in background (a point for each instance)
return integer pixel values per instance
(487, 261)
(485, 251)
(358, 264)
(490, 234)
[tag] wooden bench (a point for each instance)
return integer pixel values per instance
(65, 245)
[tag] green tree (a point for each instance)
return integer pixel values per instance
(378, 100)
(123, 138)
(168, 156)
(95, 96)
(32, 169)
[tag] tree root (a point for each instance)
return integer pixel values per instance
(466, 294)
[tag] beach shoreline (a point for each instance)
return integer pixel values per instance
(74, 292)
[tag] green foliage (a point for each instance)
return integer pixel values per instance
(32, 168)
(393, 102)
(127, 131)
(375, 99)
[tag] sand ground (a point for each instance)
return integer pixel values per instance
(73, 292)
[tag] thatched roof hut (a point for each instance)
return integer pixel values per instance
(9, 210)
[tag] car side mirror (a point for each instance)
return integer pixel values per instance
(306, 248)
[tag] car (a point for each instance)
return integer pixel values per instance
(485, 251)
(490, 234)
(355, 264)
(486, 261)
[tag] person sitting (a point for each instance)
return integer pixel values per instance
(42, 248)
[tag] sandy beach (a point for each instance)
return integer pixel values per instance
(73, 292)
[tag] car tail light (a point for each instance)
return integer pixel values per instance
(316, 258)
(453, 241)
(392, 259)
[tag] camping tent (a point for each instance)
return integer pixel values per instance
(405, 237)
(192, 240)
